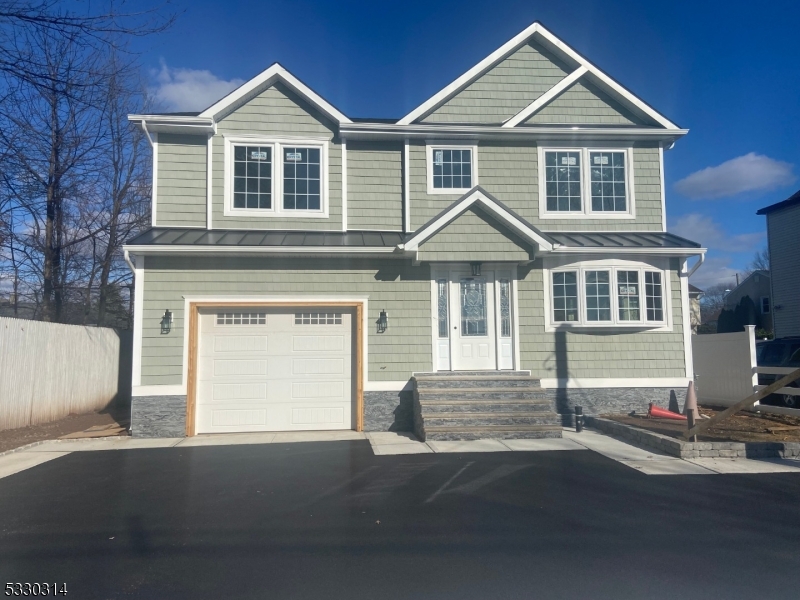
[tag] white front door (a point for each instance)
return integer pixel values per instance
(473, 320)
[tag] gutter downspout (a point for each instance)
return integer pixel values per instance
(147, 133)
(126, 255)
(697, 265)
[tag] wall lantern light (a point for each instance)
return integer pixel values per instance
(166, 322)
(476, 269)
(383, 322)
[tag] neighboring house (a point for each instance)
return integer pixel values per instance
(757, 287)
(783, 238)
(303, 265)
(695, 293)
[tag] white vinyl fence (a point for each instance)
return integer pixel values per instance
(49, 370)
(726, 370)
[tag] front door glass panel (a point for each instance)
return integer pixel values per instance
(473, 307)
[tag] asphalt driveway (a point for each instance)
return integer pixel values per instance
(332, 520)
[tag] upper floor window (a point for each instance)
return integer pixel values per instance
(765, 305)
(452, 169)
(584, 182)
(276, 177)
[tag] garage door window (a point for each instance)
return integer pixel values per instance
(318, 318)
(241, 319)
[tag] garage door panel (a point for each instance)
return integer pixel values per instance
(274, 370)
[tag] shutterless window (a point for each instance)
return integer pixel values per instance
(563, 181)
(505, 308)
(654, 296)
(241, 319)
(301, 178)
(765, 305)
(318, 319)
(565, 296)
(608, 181)
(452, 168)
(598, 296)
(252, 177)
(628, 295)
(441, 286)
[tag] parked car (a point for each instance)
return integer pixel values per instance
(782, 352)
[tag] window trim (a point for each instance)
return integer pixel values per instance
(613, 265)
(430, 147)
(276, 143)
(586, 211)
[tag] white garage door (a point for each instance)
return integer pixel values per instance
(275, 370)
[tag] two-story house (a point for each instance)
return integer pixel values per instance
(306, 270)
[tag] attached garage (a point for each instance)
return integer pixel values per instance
(274, 368)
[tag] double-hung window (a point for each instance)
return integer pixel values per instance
(452, 169)
(277, 177)
(585, 182)
(588, 295)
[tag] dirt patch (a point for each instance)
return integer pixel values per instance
(741, 427)
(108, 422)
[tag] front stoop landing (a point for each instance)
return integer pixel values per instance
(473, 405)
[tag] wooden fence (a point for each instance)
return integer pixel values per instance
(49, 370)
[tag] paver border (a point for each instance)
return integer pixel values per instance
(682, 449)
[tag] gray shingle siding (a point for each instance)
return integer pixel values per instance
(181, 189)
(784, 252)
(375, 185)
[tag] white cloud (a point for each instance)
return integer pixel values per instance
(714, 271)
(749, 173)
(704, 230)
(190, 89)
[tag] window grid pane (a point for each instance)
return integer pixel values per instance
(505, 308)
(565, 296)
(608, 181)
(301, 179)
(441, 285)
(563, 181)
(252, 177)
(628, 295)
(452, 169)
(654, 296)
(241, 319)
(598, 296)
(473, 307)
(318, 318)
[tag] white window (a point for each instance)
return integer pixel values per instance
(765, 305)
(601, 294)
(276, 177)
(586, 182)
(241, 319)
(452, 169)
(318, 318)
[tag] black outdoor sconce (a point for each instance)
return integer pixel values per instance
(476, 269)
(383, 322)
(166, 322)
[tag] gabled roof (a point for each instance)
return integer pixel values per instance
(585, 68)
(267, 77)
(480, 197)
(790, 201)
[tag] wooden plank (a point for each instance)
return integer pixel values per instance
(191, 376)
(742, 404)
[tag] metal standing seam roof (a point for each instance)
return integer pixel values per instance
(159, 236)
(607, 239)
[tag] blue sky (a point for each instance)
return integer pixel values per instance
(728, 71)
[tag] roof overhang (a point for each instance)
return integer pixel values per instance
(174, 124)
(675, 252)
(176, 250)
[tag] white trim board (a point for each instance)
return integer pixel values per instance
(158, 390)
(344, 183)
(154, 187)
(513, 44)
(268, 76)
(138, 325)
(546, 98)
(209, 180)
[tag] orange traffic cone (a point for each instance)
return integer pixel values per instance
(661, 413)
(691, 402)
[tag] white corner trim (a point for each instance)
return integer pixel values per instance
(686, 319)
(477, 197)
(138, 312)
(276, 143)
(209, 180)
(546, 98)
(344, 184)
(430, 147)
(589, 383)
(154, 187)
(663, 189)
(273, 73)
(158, 390)
(406, 190)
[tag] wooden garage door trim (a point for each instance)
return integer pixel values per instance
(194, 335)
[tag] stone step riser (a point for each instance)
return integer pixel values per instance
(430, 395)
(485, 407)
(482, 374)
(478, 383)
(495, 435)
(431, 421)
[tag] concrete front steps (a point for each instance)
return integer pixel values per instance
(472, 405)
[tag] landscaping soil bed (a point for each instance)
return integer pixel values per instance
(741, 427)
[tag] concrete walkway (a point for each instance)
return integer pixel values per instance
(645, 461)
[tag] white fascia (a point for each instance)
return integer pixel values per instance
(546, 98)
(477, 198)
(240, 250)
(679, 252)
(274, 73)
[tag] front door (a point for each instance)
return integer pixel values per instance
(473, 332)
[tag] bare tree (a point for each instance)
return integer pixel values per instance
(713, 301)
(760, 262)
